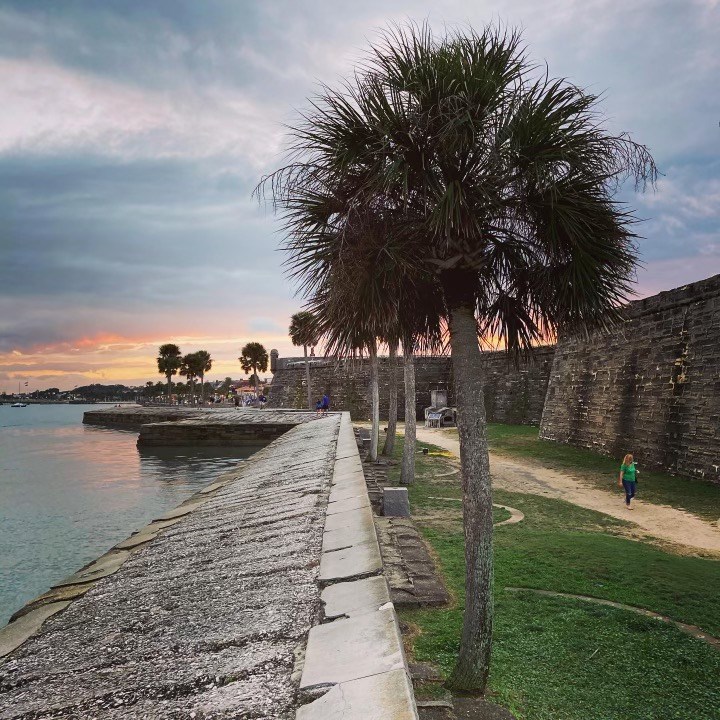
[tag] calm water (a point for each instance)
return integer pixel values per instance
(69, 492)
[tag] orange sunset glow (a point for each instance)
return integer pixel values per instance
(112, 359)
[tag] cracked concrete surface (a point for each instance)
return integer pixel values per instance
(206, 617)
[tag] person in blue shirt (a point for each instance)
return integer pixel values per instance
(325, 404)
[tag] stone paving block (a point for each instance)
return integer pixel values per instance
(387, 696)
(353, 503)
(348, 464)
(357, 483)
(345, 492)
(356, 561)
(105, 565)
(349, 518)
(182, 510)
(353, 648)
(355, 598)
(345, 479)
(14, 634)
(361, 532)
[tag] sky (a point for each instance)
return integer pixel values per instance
(132, 134)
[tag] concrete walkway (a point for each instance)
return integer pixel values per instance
(661, 521)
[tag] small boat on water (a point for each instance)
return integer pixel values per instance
(19, 405)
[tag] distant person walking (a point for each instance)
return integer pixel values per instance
(628, 479)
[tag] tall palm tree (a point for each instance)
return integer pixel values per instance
(204, 364)
(191, 367)
(168, 362)
(389, 445)
(504, 180)
(302, 333)
(254, 357)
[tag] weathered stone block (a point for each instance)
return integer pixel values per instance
(396, 502)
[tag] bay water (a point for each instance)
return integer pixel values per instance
(69, 492)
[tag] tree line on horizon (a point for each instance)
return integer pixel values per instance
(170, 362)
(450, 193)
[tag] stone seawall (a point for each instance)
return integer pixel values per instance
(261, 596)
(203, 427)
(650, 387)
(512, 394)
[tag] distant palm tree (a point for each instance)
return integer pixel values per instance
(302, 332)
(169, 361)
(254, 357)
(191, 367)
(204, 365)
(498, 181)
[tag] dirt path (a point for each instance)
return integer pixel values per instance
(661, 521)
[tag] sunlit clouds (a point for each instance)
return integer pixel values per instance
(48, 109)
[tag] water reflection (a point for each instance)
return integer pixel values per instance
(68, 492)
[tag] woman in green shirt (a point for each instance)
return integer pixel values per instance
(628, 479)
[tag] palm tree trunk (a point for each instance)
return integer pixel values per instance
(169, 379)
(407, 470)
(202, 388)
(389, 445)
(307, 378)
(471, 671)
(374, 403)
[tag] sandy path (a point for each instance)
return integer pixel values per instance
(661, 521)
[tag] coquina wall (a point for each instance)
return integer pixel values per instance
(651, 387)
(512, 394)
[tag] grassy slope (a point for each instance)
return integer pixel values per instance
(564, 659)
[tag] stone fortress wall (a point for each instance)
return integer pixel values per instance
(512, 394)
(651, 386)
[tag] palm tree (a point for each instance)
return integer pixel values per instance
(254, 357)
(302, 333)
(358, 297)
(191, 367)
(504, 181)
(169, 361)
(204, 364)
(389, 445)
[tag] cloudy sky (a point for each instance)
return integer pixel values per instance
(132, 134)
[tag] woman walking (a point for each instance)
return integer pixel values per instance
(628, 479)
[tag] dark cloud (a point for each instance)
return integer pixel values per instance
(144, 220)
(132, 236)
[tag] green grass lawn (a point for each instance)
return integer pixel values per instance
(521, 441)
(565, 659)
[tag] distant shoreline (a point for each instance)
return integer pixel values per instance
(31, 401)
